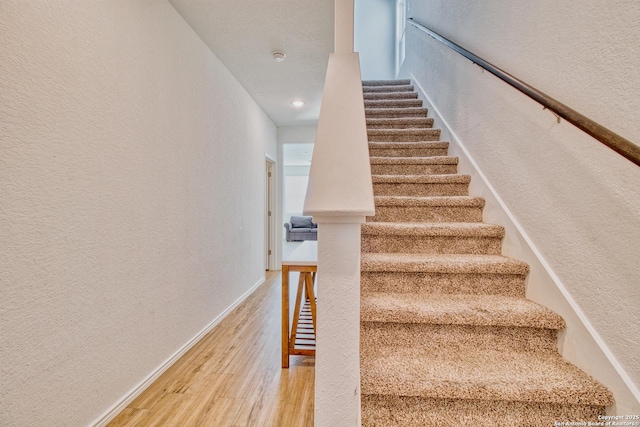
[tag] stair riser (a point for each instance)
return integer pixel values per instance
(430, 135)
(396, 411)
(380, 169)
(393, 103)
(420, 190)
(442, 283)
(431, 244)
(407, 152)
(394, 88)
(417, 124)
(427, 214)
(389, 95)
(377, 113)
(374, 83)
(374, 335)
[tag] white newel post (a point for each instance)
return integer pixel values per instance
(339, 197)
(337, 389)
(343, 26)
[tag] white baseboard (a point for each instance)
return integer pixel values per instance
(112, 412)
(579, 343)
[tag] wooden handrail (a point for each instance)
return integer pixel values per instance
(609, 138)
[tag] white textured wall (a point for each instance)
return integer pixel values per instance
(577, 200)
(374, 38)
(131, 202)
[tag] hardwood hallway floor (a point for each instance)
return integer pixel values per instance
(232, 377)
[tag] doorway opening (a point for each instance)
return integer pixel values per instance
(296, 164)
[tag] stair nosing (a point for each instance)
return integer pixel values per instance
(402, 131)
(408, 144)
(383, 82)
(466, 201)
(390, 94)
(421, 179)
(384, 103)
(431, 160)
(433, 229)
(398, 119)
(443, 263)
(388, 88)
(406, 111)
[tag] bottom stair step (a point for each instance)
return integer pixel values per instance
(445, 372)
(409, 411)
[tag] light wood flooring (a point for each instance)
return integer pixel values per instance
(232, 377)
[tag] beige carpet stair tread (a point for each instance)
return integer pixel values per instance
(399, 82)
(448, 229)
(392, 88)
(415, 122)
(408, 145)
(399, 411)
(390, 95)
(396, 112)
(435, 160)
(421, 179)
(442, 263)
(467, 373)
(420, 134)
(450, 201)
(482, 310)
(376, 103)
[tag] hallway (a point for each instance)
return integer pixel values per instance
(233, 376)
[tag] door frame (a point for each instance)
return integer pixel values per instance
(270, 214)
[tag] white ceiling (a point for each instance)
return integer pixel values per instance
(244, 33)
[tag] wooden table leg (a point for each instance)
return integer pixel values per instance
(285, 316)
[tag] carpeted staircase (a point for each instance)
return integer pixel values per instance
(447, 335)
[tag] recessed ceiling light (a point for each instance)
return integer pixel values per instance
(297, 103)
(278, 56)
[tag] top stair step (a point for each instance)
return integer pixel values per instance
(394, 88)
(386, 82)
